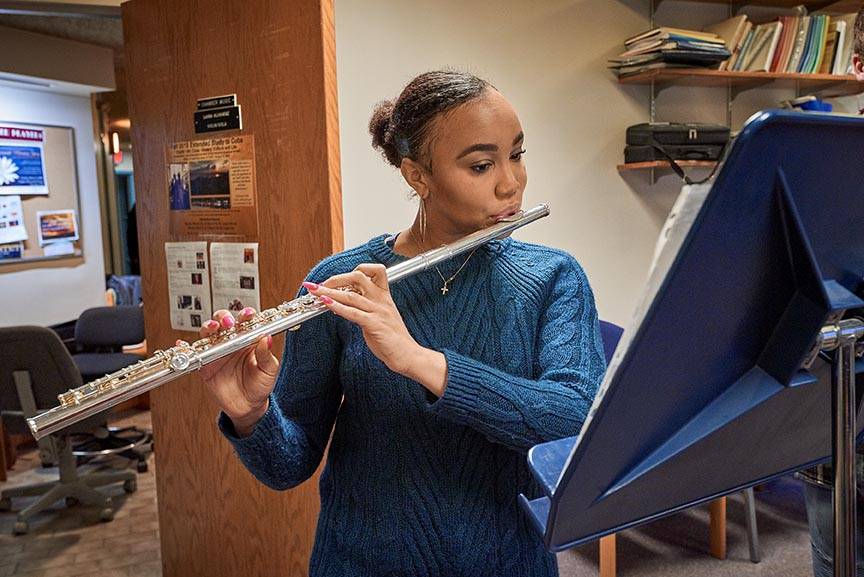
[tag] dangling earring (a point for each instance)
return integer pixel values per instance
(422, 220)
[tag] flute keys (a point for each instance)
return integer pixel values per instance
(180, 361)
(70, 398)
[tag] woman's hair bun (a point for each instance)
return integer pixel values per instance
(401, 128)
(381, 129)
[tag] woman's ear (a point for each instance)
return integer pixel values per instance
(857, 67)
(416, 176)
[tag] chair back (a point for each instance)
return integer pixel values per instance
(611, 334)
(110, 327)
(40, 352)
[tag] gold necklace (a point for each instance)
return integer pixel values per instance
(444, 287)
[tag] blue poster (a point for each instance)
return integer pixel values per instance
(22, 168)
(22, 160)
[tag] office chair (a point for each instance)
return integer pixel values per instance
(100, 334)
(35, 367)
(610, 334)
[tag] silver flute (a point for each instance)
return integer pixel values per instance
(101, 394)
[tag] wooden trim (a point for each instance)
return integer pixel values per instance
(331, 117)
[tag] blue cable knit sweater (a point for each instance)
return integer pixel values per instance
(419, 486)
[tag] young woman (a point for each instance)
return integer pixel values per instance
(434, 389)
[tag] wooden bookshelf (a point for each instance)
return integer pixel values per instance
(837, 85)
(665, 164)
(823, 85)
(660, 167)
(836, 6)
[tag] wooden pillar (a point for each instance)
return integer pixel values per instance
(279, 59)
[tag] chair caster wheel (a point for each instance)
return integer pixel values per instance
(71, 501)
(5, 504)
(20, 528)
(130, 485)
(142, 466)
(106, 514)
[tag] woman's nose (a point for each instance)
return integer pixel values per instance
(508, 185)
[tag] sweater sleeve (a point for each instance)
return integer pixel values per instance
(569, 365)
(287, 444)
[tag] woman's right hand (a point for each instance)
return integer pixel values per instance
(242, 381)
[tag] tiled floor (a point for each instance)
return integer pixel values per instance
(68, 542)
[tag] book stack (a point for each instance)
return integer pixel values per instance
(669, 48)
(802, 44)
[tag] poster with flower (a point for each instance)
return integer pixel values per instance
(22, 160)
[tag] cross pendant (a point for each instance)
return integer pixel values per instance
(444, 289)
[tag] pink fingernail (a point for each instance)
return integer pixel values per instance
(269, 342)
(247, 311)
(211, 324)
(310, 286)
(227, 321)
(326, 300)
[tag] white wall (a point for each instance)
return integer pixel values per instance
(549, 58)
(47, 296)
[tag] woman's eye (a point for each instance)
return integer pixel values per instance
(517, 155)
(481, 168)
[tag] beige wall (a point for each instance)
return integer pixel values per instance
(56, 60)
(52, 295)
(548, 57)
(56, 294)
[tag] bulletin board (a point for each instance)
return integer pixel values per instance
(48, 192)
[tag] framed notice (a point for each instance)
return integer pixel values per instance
(210, 189)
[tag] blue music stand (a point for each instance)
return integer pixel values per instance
(724, 380)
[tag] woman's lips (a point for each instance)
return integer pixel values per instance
(506, 214)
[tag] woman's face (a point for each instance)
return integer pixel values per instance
(477, 173)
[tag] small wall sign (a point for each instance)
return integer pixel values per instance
(218, 113)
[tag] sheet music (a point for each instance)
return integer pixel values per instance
(672, 235)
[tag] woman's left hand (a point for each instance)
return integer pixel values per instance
(373, 310)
